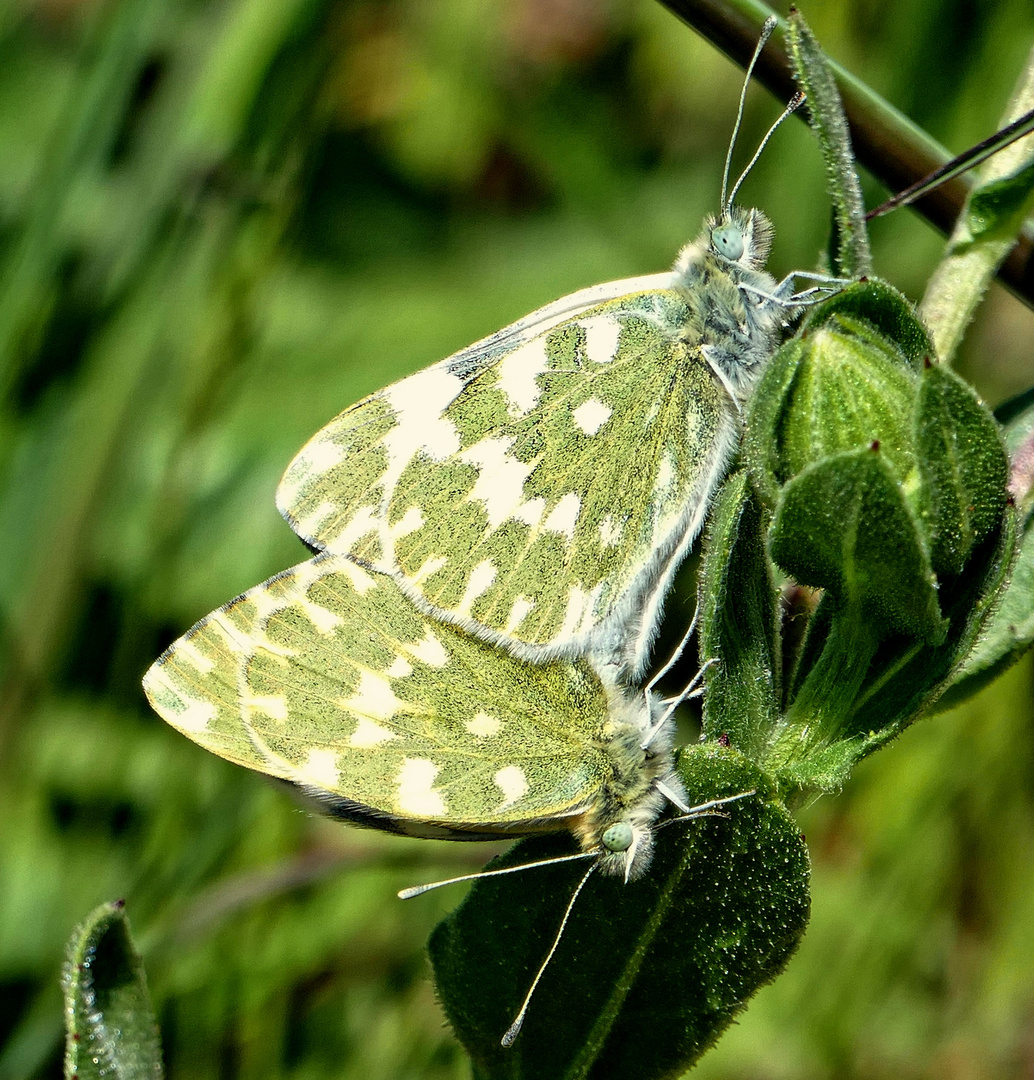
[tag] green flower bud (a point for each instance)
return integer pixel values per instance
(847, 380)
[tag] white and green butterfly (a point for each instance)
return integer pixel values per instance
(327, 677)
(540, 488)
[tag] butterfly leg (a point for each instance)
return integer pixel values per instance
(692, 689)
(675, 656)
(827, 285)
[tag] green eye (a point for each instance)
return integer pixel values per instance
(727, 240)
(618, 837)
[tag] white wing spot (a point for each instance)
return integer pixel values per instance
(530, 513)
(369, 733)
(320, 770)
(430, 651)
(483, 725)
(665, 473)
(272, 705)
(564, 515)
(429, 566)
(189, 653)
(319, 457)
(419, 402)
(577, 609)
(591, 415)
(417, 795)
(521, 606)
(219, 622)
(480, 580)
(373, 697)
(611, 532)
(322, 618)
(196, 715)
(601, 338)
(512, 782)
(517, 375)
(362, 522)
(358, 578)
(310, 524)
(410, 521)
(400, 668)
(183, 712)
(322, 456)
(248, 644)
(267, 601)
(500, 483)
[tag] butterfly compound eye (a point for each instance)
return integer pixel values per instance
(617, 837)
(727, 241)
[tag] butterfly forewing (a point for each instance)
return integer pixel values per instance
(538, 496)
(328, 677)
(329, 496)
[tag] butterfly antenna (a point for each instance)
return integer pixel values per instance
(515, 1028)
(766, 33)
(791, 106)
(419, 890)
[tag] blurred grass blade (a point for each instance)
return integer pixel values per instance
(111, 1030)
(112, 59)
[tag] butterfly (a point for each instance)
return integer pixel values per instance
(325, 676)
(540, 488)
(496, 536)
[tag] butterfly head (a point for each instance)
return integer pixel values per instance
(626, 848)
(741, 236)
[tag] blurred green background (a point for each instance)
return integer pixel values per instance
(221, 221)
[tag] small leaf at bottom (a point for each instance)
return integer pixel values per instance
(648, 974)
(110, 1026)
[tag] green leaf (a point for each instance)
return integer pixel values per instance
(738, 622)
(1008, 634)
(110, 1025)
(843, 525)
(998, 207)
(1009, 631)
(963, 467)
(826, 115)
(856, 698)
(765, 421)
(905, 682)
(648, 974)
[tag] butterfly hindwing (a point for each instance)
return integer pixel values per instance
(327, 677)
(533, 493)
